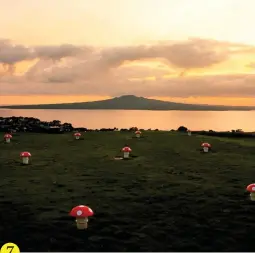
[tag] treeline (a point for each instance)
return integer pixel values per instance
(238, 133)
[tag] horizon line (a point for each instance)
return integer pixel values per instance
(119, 96)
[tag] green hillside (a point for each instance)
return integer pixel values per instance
(168, 197)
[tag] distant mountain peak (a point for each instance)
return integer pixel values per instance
(128, 97)
(131, 102)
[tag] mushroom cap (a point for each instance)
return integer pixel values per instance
(126, 149)
(81, 211)
(251, 187)
(7, 136)
(25, 154)
(77, 134)
(138, 132)
(206, 145)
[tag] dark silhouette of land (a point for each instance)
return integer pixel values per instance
(130, 102)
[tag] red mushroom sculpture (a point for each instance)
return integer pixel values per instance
(77, 136)
(81, 213)
(206, 147)
(126, 151)
(251, 188)
(7, 138)
(138, 134)
(25, 157)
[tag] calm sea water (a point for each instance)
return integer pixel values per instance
(165, 120)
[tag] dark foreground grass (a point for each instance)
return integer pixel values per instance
(170, 197)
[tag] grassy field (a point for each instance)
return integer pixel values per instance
(170, 197)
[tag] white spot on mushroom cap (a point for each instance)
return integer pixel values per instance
(79, 212)
(253, 188)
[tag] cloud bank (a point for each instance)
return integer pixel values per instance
(71, 69)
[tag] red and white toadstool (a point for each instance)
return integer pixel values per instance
(138, 134)
(126, 151)
(77, 136)
(206, 146)
(251, 188)
(7, 138)
(81, 213)
(25, 157)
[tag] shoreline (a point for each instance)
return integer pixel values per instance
(35, 125)
(138, 109)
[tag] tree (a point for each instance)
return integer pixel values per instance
(182, 129)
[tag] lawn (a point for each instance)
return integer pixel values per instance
(170, 197)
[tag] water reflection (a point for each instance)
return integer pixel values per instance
(195, 120)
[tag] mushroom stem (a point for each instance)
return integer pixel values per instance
(25, 160)
(82, 223)
(137, 135)
(77, 137)
(252, 196)
(7, 140)
(126, 155)
(206, 149)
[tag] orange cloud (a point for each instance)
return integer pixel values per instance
(193, 68)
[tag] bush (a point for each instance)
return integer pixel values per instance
(182, 129)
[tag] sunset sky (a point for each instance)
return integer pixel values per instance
(193, 51)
